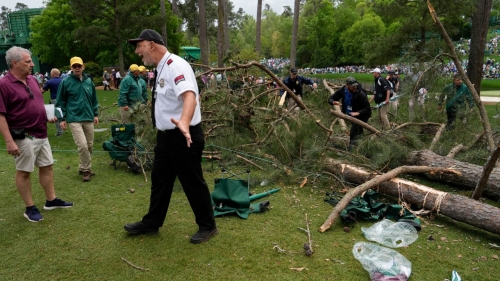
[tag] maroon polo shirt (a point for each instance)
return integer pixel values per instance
(19, 109)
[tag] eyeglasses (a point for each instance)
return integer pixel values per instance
(30, 92)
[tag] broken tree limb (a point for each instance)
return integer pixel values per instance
(343, 126)
(249, 162)
(355, 121)
(469, 172)
(456, 207)
(417, 124)
(455, 150)
(372, 183)
(458, 64)
(485, 174)
(460, 147)
(437, 136)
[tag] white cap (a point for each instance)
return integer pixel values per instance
(376, 70)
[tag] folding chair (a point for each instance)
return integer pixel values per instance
(232, 196)
(122, 145)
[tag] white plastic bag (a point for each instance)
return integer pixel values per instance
(383, 264)
(391, 234)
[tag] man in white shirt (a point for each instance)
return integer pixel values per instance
(180, 139)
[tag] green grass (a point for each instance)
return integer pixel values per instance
(87, 242)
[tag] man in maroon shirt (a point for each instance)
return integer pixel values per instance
(23, 125)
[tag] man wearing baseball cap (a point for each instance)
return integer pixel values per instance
(382, 95)
(394, 83)
(130, 93)
(354, 103)
(143, 81)
(176, 114)
(77, 99)
(295, 82)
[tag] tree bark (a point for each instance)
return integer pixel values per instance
(475, 95)
(470, 173)
(485, 174)
(227, 12)
(164, 23)
(437, 136)
(202, 21)
(295, 31)
(343, 126)
(480, 20)
(355, 121)
(258, 26)
(175, 8)
(457, 207)
(221, 33)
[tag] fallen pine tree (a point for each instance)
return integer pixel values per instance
(457, 207)
(469, 173)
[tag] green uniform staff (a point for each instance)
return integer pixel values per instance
(130, 93)
(457, 97)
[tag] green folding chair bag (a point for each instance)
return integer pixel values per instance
(231, 196)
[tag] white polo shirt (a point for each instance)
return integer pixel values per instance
(175, 77)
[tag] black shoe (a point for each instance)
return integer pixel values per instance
(139, 228)
(81, 173)
(203, 235)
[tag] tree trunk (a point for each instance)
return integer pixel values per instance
(164, 22)
(220, 33)
(480, 21)
(226, 27)
(258, 26)
(202, 22)
(295, 31)
(457, 207)
(121, 62)
(470, 173)
(175, 8)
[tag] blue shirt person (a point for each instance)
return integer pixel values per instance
(52, 85)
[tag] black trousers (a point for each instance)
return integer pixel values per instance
(452, 115)
(174, 159)
(356, 130)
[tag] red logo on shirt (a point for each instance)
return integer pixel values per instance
(179, 79)
(169, 61)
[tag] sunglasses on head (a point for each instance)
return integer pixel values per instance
(29, 92)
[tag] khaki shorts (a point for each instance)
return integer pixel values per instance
(34, 152)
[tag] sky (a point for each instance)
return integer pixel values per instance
(249, 6)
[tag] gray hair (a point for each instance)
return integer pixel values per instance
(15, 54)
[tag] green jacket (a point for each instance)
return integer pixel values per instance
(130, 91)
(456, 97)
(77, 99)
(144, 87)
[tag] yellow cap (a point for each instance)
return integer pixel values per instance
(142, 68)
(134, 67)
(75, 60)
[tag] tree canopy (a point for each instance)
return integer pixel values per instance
(330, 33)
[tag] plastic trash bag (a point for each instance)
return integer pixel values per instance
(383, 264)
(455, 276)
(391, 234)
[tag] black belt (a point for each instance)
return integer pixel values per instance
(174, 129)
